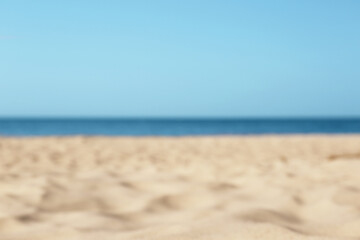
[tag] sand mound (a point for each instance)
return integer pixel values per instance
(96, 188)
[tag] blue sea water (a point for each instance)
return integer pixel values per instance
(175, 127)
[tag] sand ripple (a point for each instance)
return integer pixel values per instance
(96, 188)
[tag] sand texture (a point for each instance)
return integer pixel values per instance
(102, 188)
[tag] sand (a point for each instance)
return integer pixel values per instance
(256, 187)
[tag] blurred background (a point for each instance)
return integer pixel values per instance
(179, 67)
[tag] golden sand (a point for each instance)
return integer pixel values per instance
(102, 188)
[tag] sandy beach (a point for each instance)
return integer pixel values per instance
(105, 188)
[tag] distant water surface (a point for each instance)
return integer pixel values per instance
(174, 127)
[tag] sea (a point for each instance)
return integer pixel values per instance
(175, 127)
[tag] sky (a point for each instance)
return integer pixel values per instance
(179, 58)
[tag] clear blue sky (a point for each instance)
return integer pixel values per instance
(180, 58)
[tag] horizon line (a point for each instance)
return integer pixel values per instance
(172, 118)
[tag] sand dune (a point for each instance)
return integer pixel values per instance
(102, 188)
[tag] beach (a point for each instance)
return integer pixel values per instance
(180, 188)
